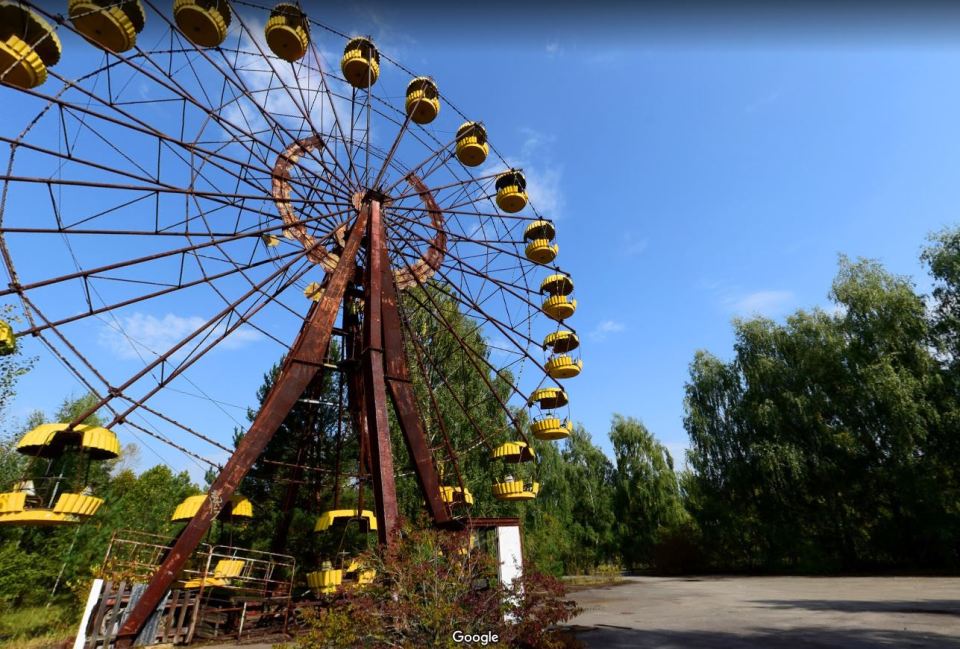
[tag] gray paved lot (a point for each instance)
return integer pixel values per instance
(771, 613)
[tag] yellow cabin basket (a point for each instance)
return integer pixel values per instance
(288, 32)
(472, 146)
(559, 308)
(563, 367)
(511, 191)
(551, 428)
(360, 63)
(28, 46)
(423, 100)
(541, 251)
(202, 22)
(109, 26)
(549, 398)
(8, 342)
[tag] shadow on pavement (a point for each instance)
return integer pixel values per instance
(609, 637)
(925, 606)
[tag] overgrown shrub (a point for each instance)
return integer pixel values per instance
(428, 587)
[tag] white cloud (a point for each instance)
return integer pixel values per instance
(553, 49)
(768, 303)
(544, 178)
(141, 335)
(605, 328)
(633, 245)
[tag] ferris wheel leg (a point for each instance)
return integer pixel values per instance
(299, 368)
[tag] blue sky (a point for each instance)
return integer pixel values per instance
(696, 173)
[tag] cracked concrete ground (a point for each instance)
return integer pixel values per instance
(771, 613)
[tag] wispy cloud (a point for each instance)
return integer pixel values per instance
(632, 245)
(142, 335)
(553, 49)
(544, 176)
(768, 303)
(604, 328)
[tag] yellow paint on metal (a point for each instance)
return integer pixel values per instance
(50, 440)
(28, 46)
(541, 251)
(328, 518)
(515, 490)
(202, 22)
(77, 504)
(472, 146)
(557, 284)
(423, 100)
(563, 367)
(223, 572)
(271, 240)
(513, 452)
(313, 291)
(325, 581)
(360, 63)
(287, 32)
(14, 501)
(561, 341)
(559, 308)
(549, 398)
(551, 428)
(539, 229)
(8, 342)
(239, 507)
(456, 495)
(511, 191)
(113, 27)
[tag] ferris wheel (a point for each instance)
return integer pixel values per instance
(226, 156)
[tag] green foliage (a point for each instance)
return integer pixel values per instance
(827, 443)
(427, 588)
(646, 493)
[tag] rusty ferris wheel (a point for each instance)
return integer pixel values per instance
(218, 152)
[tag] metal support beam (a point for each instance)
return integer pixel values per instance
(301, 365)
(374, 391)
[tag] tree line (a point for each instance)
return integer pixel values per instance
(826, 442)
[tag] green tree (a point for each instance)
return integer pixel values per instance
(646, 490)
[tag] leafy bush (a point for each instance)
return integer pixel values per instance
(428, 587)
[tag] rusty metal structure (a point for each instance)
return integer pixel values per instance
(214, 167)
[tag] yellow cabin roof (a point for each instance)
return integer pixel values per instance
(513, 452)
(49, 440)
(549, 398)
(334, 516)
(240, 507)
(557, 284)
(540, 229)
(562, 341)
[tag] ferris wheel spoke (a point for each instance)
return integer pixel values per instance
(135, 300)
(482, 367)
(136, 125)
(305, 113)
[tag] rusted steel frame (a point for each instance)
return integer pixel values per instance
(391, 152)
(375, 391)
(177, 89)
(92, 390)
(300, 366)
(313, 469)
(446, 383)
(412, 335)
(154, 189)
(473, 304)
(466, 181)
(305, 113)
(336, 118)
(419, 166)
(242, 318)
(185, 428)
(152, 257)
(404, 401)
(471, 355)
(496, 215)
(356, 401)
(110, 307)
(144, 129)
(163, 357)
(481, 242)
